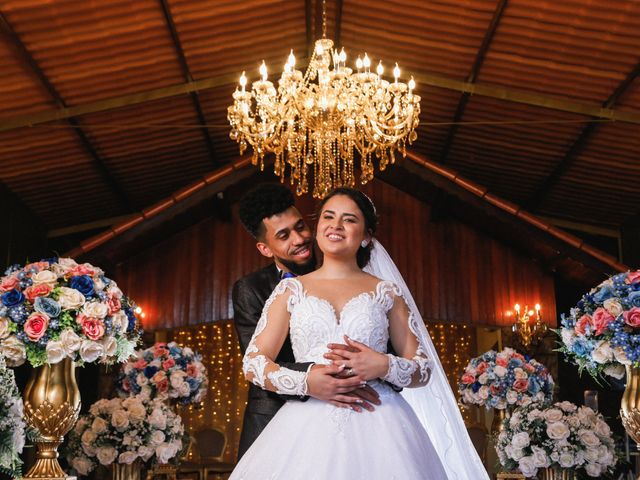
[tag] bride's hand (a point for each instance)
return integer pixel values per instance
(359, 360)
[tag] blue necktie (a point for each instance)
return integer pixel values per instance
(288, 275)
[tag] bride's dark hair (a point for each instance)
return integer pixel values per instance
(368, 210)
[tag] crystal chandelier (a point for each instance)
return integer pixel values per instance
(528, 332)
(319, 122)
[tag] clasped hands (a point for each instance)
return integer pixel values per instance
(343, 382)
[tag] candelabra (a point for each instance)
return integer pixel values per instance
(528, 330)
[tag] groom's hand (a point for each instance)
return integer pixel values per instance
(325, 383)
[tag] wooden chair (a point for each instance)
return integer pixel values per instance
(208, 445)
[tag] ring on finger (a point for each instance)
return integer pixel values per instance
(350, 372)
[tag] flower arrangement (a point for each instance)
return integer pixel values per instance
(503, 379)
(122, 430)
(57, 308)
(602, 333)
(12, 427)
(165, 371)
(561, 436)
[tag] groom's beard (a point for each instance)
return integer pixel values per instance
(300, 269)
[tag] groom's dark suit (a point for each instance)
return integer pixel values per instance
(249, 295)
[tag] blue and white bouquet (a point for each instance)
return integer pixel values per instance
(12, 427)
(602, 332)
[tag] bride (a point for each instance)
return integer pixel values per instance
(416, 434)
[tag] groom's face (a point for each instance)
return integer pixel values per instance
(288, 240)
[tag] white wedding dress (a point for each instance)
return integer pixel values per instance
(314, 440)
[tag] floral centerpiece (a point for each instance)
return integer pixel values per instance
(123, 430)
(57, 308)
(12, 427)
(561, 436)
(504, 379)
(602, 332)
(165, 371)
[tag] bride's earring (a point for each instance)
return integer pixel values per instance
(364, 243)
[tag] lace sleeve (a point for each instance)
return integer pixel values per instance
(412, 366)
(272, 328)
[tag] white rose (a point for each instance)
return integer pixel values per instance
(567, 406)
(4, 327)
(82, 465)
(527, 467)
(114, 291)
(120, 420)
(80, 425)
(520, 440)
(88, 437)
(500, 371)
(145, 452)
(614, 370)
(70, 298)
(602, 429)
(127, 457)
(613, 306)
(158, 419)
(483, 378)
(67, 263)
(55, 351)
(120, 321)
(568, 337)
(71, 342)
(592, 455)
(184, 390)
(557, 431)
(553, 415)
(534, 414)
(620, 356)
(157, 437)
(519, 373)
(186, 351)
(99, 425)
(589, 438)
(166, 452)
(566, 460)
(177, 378)
(106, 455)
(516, 453)
(137, 412)
(98, 284)
(602, 352)
(90, 351)
(45, 276)
(95, 309)
(483, 393)
(109, 345)
(13, 351)
(540, 458)
(593, 469)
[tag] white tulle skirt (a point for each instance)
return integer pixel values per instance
(314, 440)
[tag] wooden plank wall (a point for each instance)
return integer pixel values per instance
(457, 274)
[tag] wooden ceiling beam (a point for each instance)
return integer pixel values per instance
(471, 78)
(25, 55)
(186, 72)
(485, 90)
(545, 187)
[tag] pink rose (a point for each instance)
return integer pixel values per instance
(36, 326)
(162, 386)
(159, 377)
(633, 277)
(140, 364)
(521, 385)
(114, 304)
(126, 385)
(582, 323)
(9, 283)
(92, 327)
(39, 265)
(168, 363)
(519, 356)
(501, 361)
(495, 389)
(632, 317)
(41, 290)
(192, 371)
(160, 350)
(601, 318)
(84, 269)
(529, 368)
(482, 367)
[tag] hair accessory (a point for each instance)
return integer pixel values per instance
(375, 212)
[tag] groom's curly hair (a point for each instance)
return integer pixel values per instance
(263, 202)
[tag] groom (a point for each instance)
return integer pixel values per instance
(269, 214)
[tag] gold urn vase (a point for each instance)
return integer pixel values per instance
(499, 416)
(630, 406)
(126, 471)
(51, 408)
(556, 474)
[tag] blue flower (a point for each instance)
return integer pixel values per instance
(48, 306)
(150, 371)
(634, 299)
(475, 387)
(51, 260)
(83, 284)
(12, 298)
(132, 318)
(605, 293)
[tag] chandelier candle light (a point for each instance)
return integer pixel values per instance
(529, 332)
(322, 125)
